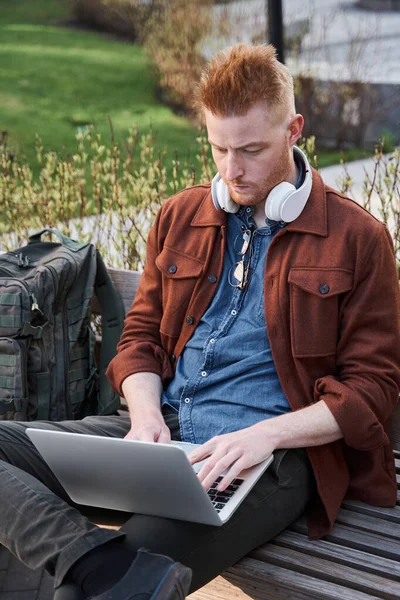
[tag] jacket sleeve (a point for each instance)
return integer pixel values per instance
(140, 348)
(365, 390)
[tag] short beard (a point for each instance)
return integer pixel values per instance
(280, 174)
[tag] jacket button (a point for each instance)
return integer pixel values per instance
(172, 269)
(324, 289)
(173, 358)
(189, 320)
(212, 278)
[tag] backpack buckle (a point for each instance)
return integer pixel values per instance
(23, 261)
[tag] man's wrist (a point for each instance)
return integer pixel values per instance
(145, 409)
(272, 432)
(149, 414)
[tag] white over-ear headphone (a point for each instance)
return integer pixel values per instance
(285, 202)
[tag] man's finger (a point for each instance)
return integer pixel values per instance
(164, 437)
(231, 474)
(217, 462)
(209, 474)
(200, 453)
(147, 435)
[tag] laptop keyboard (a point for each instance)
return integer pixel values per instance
(219, 499)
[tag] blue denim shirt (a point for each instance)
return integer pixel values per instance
(226, 378)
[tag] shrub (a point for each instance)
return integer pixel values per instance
(108, 194)
(172, 36)
(381, 191)
(122, 17)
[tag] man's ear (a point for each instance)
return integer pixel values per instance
(295, 128)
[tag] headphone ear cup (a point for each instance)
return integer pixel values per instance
(221, 197)
(276, 200)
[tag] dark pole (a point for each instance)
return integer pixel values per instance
(275, 26)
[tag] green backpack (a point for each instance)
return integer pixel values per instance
(47, 360)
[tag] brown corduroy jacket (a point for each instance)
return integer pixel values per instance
(333, 322)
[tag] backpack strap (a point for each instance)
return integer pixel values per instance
(65, 241)
(112, 318)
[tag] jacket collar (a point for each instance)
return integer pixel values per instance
(313, 219)
(207, 215)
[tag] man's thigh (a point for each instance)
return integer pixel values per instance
(17, 449)
(278, 498)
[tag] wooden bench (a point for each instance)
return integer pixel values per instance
(359, 560)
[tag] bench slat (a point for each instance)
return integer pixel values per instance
(354, 538)
(328, 571)
(368, 523)
(385, 513)
(264, 578)
(364, 561)
(395, 432)
(126, 283)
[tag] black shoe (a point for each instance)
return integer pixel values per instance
(151, 577)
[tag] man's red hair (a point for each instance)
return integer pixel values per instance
(242, 76)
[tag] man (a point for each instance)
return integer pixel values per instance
(267, 320)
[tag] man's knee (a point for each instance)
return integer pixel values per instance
(16, 448)
(12, 434)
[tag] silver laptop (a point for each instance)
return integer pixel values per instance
(142, 477)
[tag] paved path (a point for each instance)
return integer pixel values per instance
(358, 171)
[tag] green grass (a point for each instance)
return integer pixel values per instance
(326, 158)
(55, 79)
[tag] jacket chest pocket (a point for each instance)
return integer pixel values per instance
(314, 309)
(180, 275)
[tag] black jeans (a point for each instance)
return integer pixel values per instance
(41, 526)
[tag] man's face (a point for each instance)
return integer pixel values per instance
(253, 153)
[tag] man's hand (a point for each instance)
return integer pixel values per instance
(149, 427)
(314, 425)
(142, 392)
(231, 452)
